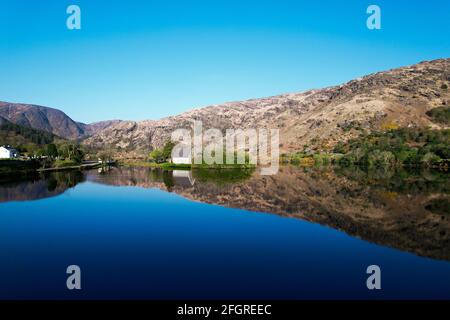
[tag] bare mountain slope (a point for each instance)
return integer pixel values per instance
(93, 128)
(42, 118)
(316, 118)
(50, 120)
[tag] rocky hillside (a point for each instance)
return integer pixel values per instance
(93, 128)
(42, 118)
(50, 120)
(315, 119)
(3, 121)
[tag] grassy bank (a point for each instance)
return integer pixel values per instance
(65, 163)
(69, 165)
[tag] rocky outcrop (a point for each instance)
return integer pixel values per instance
(317, 118)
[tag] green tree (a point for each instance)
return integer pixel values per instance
(71, 152)
(40, 152)
(52, 151)
(157, 156)
(162, 155)
(167, 150)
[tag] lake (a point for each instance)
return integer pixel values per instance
(141, 233)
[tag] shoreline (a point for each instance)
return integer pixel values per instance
(77, 167)
(173, 166)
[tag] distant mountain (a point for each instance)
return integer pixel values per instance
(93, 128)
(50, 120)
(315, 119)
(42, 118)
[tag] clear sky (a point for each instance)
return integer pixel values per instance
(149, 59)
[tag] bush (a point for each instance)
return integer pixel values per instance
(439, 206)
(162, 155)
(440, 114)
(380, 158)
(157, 156)
(430, 159)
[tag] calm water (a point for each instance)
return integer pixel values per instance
(148, 234)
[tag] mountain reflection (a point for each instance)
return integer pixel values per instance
(39, 186)
(404, 210)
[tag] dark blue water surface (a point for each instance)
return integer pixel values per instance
(136, 243)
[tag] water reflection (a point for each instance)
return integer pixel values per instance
(407, 210)
(39, 186)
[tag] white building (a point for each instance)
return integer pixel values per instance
(181, 155)
(8, 153)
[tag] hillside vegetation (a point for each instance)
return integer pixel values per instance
(37, 144)
(406, 146)
(16, 135)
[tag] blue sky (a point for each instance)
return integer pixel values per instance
(150, 59)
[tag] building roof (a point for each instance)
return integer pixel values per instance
(9, 148)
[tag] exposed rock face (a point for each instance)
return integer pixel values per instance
(317, 118)
(93, 128)
(50, 120)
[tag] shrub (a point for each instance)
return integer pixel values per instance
(380, 158)
(430, 159)
(439, 206)
(440, 114)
